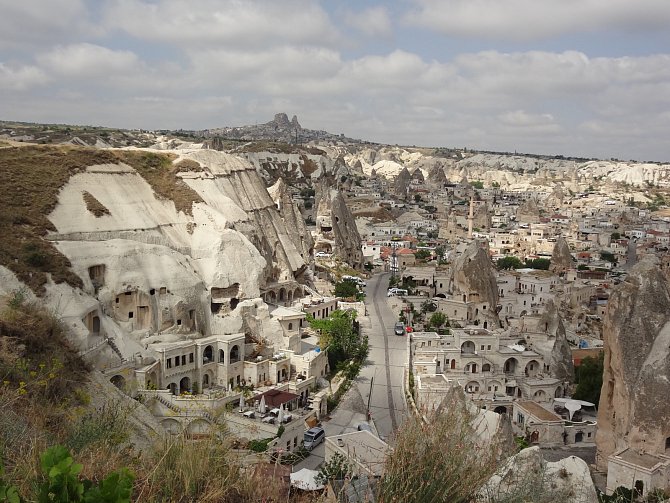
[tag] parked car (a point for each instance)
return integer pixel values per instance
(313, 437)
(392, 292)
(323, 254)
(399, 328)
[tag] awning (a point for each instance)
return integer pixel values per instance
(305, 479)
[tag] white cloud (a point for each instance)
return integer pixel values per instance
(537, 19)
(238, 23)
(522, 118)
(372, 22)
(28, 23)
(20, 78)
(88, 60)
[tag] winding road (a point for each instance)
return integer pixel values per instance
(386, 361)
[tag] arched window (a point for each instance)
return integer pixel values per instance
(222, 356)
(208, 355)
(290, 326)
(234, 354)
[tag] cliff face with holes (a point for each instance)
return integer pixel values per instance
(154, 274)
(336, 230)
(473, 280)
(634, 410)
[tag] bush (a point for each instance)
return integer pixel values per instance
(62, 484)
(260, 445)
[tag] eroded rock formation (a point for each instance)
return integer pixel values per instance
(528, 212)
(474, 280)
(634, 409)
(401, 183)
(556, 352)
(336, 226)
(561, 259)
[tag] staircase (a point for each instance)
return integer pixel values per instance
(115, 348)
(169, 404)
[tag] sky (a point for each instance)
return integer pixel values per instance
(584, 78)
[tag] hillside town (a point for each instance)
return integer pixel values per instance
(311, 298)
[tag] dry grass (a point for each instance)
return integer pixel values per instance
(32, 177)
(160, 173)
(95, 206)
(188, 165)
(439, 459)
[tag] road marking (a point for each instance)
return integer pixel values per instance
(394, 423)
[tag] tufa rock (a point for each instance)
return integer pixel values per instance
(528, 212)
(561, 259)
(559, 355)
(634, 410)
(401, 183)
(336, 227)
(474, 280)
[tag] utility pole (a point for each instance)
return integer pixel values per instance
(372, 379)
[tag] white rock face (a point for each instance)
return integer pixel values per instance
(527, 477)
(154, 274)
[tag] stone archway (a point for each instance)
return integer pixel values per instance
(500, 410)
(119, 381)
(185, 385)
(511, 365)
(172, 426)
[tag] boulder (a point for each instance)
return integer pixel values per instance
(526, 476)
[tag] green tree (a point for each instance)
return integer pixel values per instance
(338, 337)
(437, 320)
(609, 257)
(477, 184)
(336, 469)
(346, 289)
(509, 262)
(422, 254)
(589, 379)
(614, 236)
(539, 263)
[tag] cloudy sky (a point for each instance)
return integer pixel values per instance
(572, 77)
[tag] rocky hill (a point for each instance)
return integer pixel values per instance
(278, 129)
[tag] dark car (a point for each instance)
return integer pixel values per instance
(399, 328)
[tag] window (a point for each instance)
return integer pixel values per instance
(178, 322)
(290, 326)
(190, 358)
(488, 347)
(176, 361)
(519, 418)
(168, 363)
(482, 347)
(295, 441)
(130, 315)
(117, 300)
(183, 359)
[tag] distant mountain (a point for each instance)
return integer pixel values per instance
(278, 129)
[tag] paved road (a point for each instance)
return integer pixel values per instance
(386, 362)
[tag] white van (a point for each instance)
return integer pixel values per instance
(313, 437)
